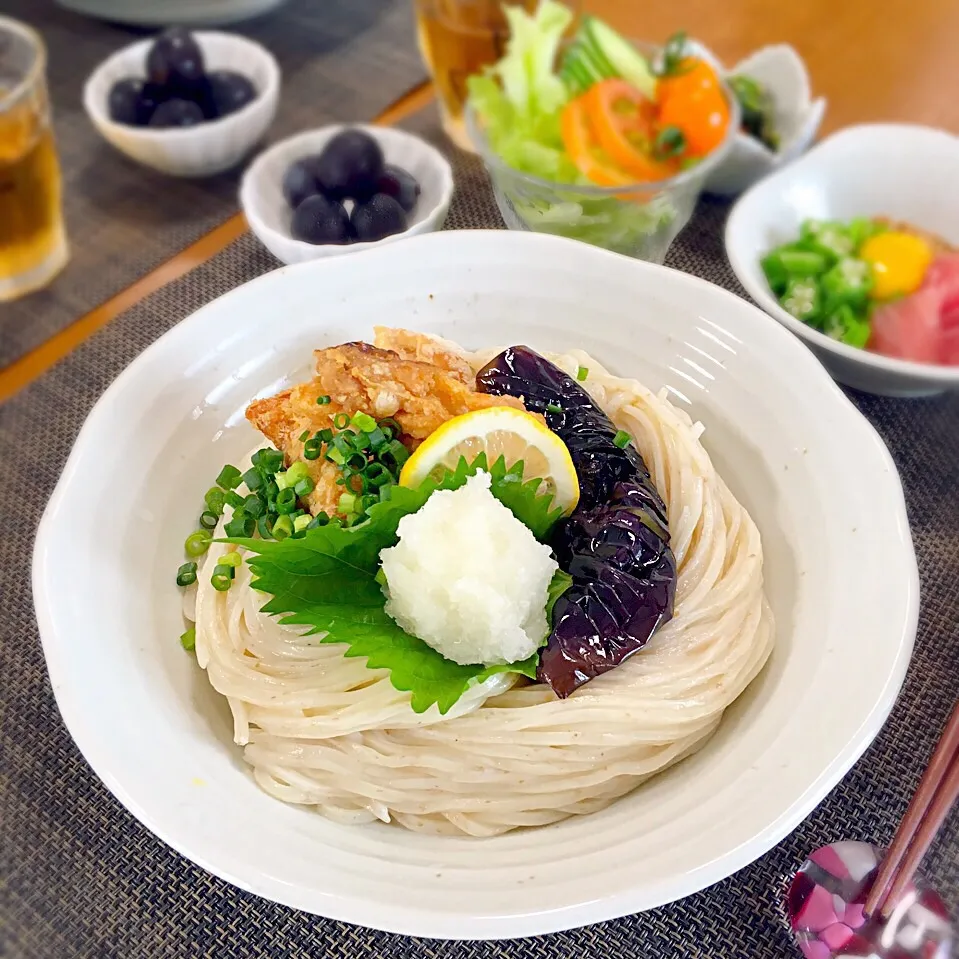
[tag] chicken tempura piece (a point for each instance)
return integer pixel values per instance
(427, 349)
(358, 377)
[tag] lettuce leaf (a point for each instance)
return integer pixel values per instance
(326, 580)
(519, 98)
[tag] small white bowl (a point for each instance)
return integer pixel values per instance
(781, 70)
(207, 148)
(899, 170)
(268, 213)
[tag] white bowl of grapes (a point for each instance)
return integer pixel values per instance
(344, 189)
(189, 104)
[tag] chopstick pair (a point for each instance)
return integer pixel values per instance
(938, 791)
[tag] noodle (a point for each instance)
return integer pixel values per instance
(324, 730)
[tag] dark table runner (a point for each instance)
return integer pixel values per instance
(341, 60)
(79, 877)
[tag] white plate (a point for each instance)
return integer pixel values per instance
(891, 169)
(163, 13)
(841, 577)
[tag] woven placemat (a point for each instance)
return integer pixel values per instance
(79, 877)
(340, 60)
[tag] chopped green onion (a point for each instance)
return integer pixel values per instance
(364, 422)
(301, 523)
(254, 505)
(296, 472)
(241, 525)
(231, 559)
(283, 527)
(304, 487)
(391, 424)
(355, 463)
(621, 439)
(285, 502)
(253, 478)
(188, 639)
(186, 574)
(362, 442)
(581, 373)
(281, 480)
(271, 460)
(234, 499)
(397, 451)
(304, 436)
(222, 577)
(312, 449)
(342, 443)
(377, 474)
(208, 519)
(229, 477)
(347, 503)
(198, 543)
(335, 456)
(264, 527)
(322, 401)
(378, 437)
(367, 501)
(341, 421)
(215, 500)
(321, 519)
(554, 408)
(326, 435)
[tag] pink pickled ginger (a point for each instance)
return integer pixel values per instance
(923, 327)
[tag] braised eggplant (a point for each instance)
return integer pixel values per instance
(615, 545)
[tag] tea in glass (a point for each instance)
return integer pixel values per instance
(33, 246)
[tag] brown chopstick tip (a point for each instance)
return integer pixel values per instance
(935, 796)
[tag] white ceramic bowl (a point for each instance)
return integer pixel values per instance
(161, 13)
(207, 148)
(798, 117)
(899, 170)
(840, 575)
(268, 213)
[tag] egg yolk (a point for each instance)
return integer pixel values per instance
(899, 263)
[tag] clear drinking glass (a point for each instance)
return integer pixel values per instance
(33, 245)
(457, 38)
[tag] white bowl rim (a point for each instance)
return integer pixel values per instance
(255, 171)
(933, 373)
(98, 111)
(410, 921)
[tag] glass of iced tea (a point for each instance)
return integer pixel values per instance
(33, 245)
(457, 38)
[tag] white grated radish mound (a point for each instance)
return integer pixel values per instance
(468, 578)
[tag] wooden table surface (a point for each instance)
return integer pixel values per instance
(872, 59)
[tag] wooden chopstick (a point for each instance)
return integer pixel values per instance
(937, 792)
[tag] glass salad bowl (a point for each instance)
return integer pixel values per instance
(640, 220)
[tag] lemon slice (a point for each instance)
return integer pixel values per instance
(498, 431)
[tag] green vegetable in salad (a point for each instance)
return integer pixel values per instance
(328, 580)
(758, 110)
(597, 53)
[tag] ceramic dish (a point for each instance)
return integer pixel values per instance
(901, 171)
(782, 71)
(840, 575)
(268, 213)
(207, 148)
(161, 13)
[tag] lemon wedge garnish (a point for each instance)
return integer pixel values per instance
(498, 431)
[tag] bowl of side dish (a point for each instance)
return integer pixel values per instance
(189, 104)
(345, 188)
(853, 248)
(607, 140)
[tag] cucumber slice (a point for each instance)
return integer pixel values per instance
(624, 60)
